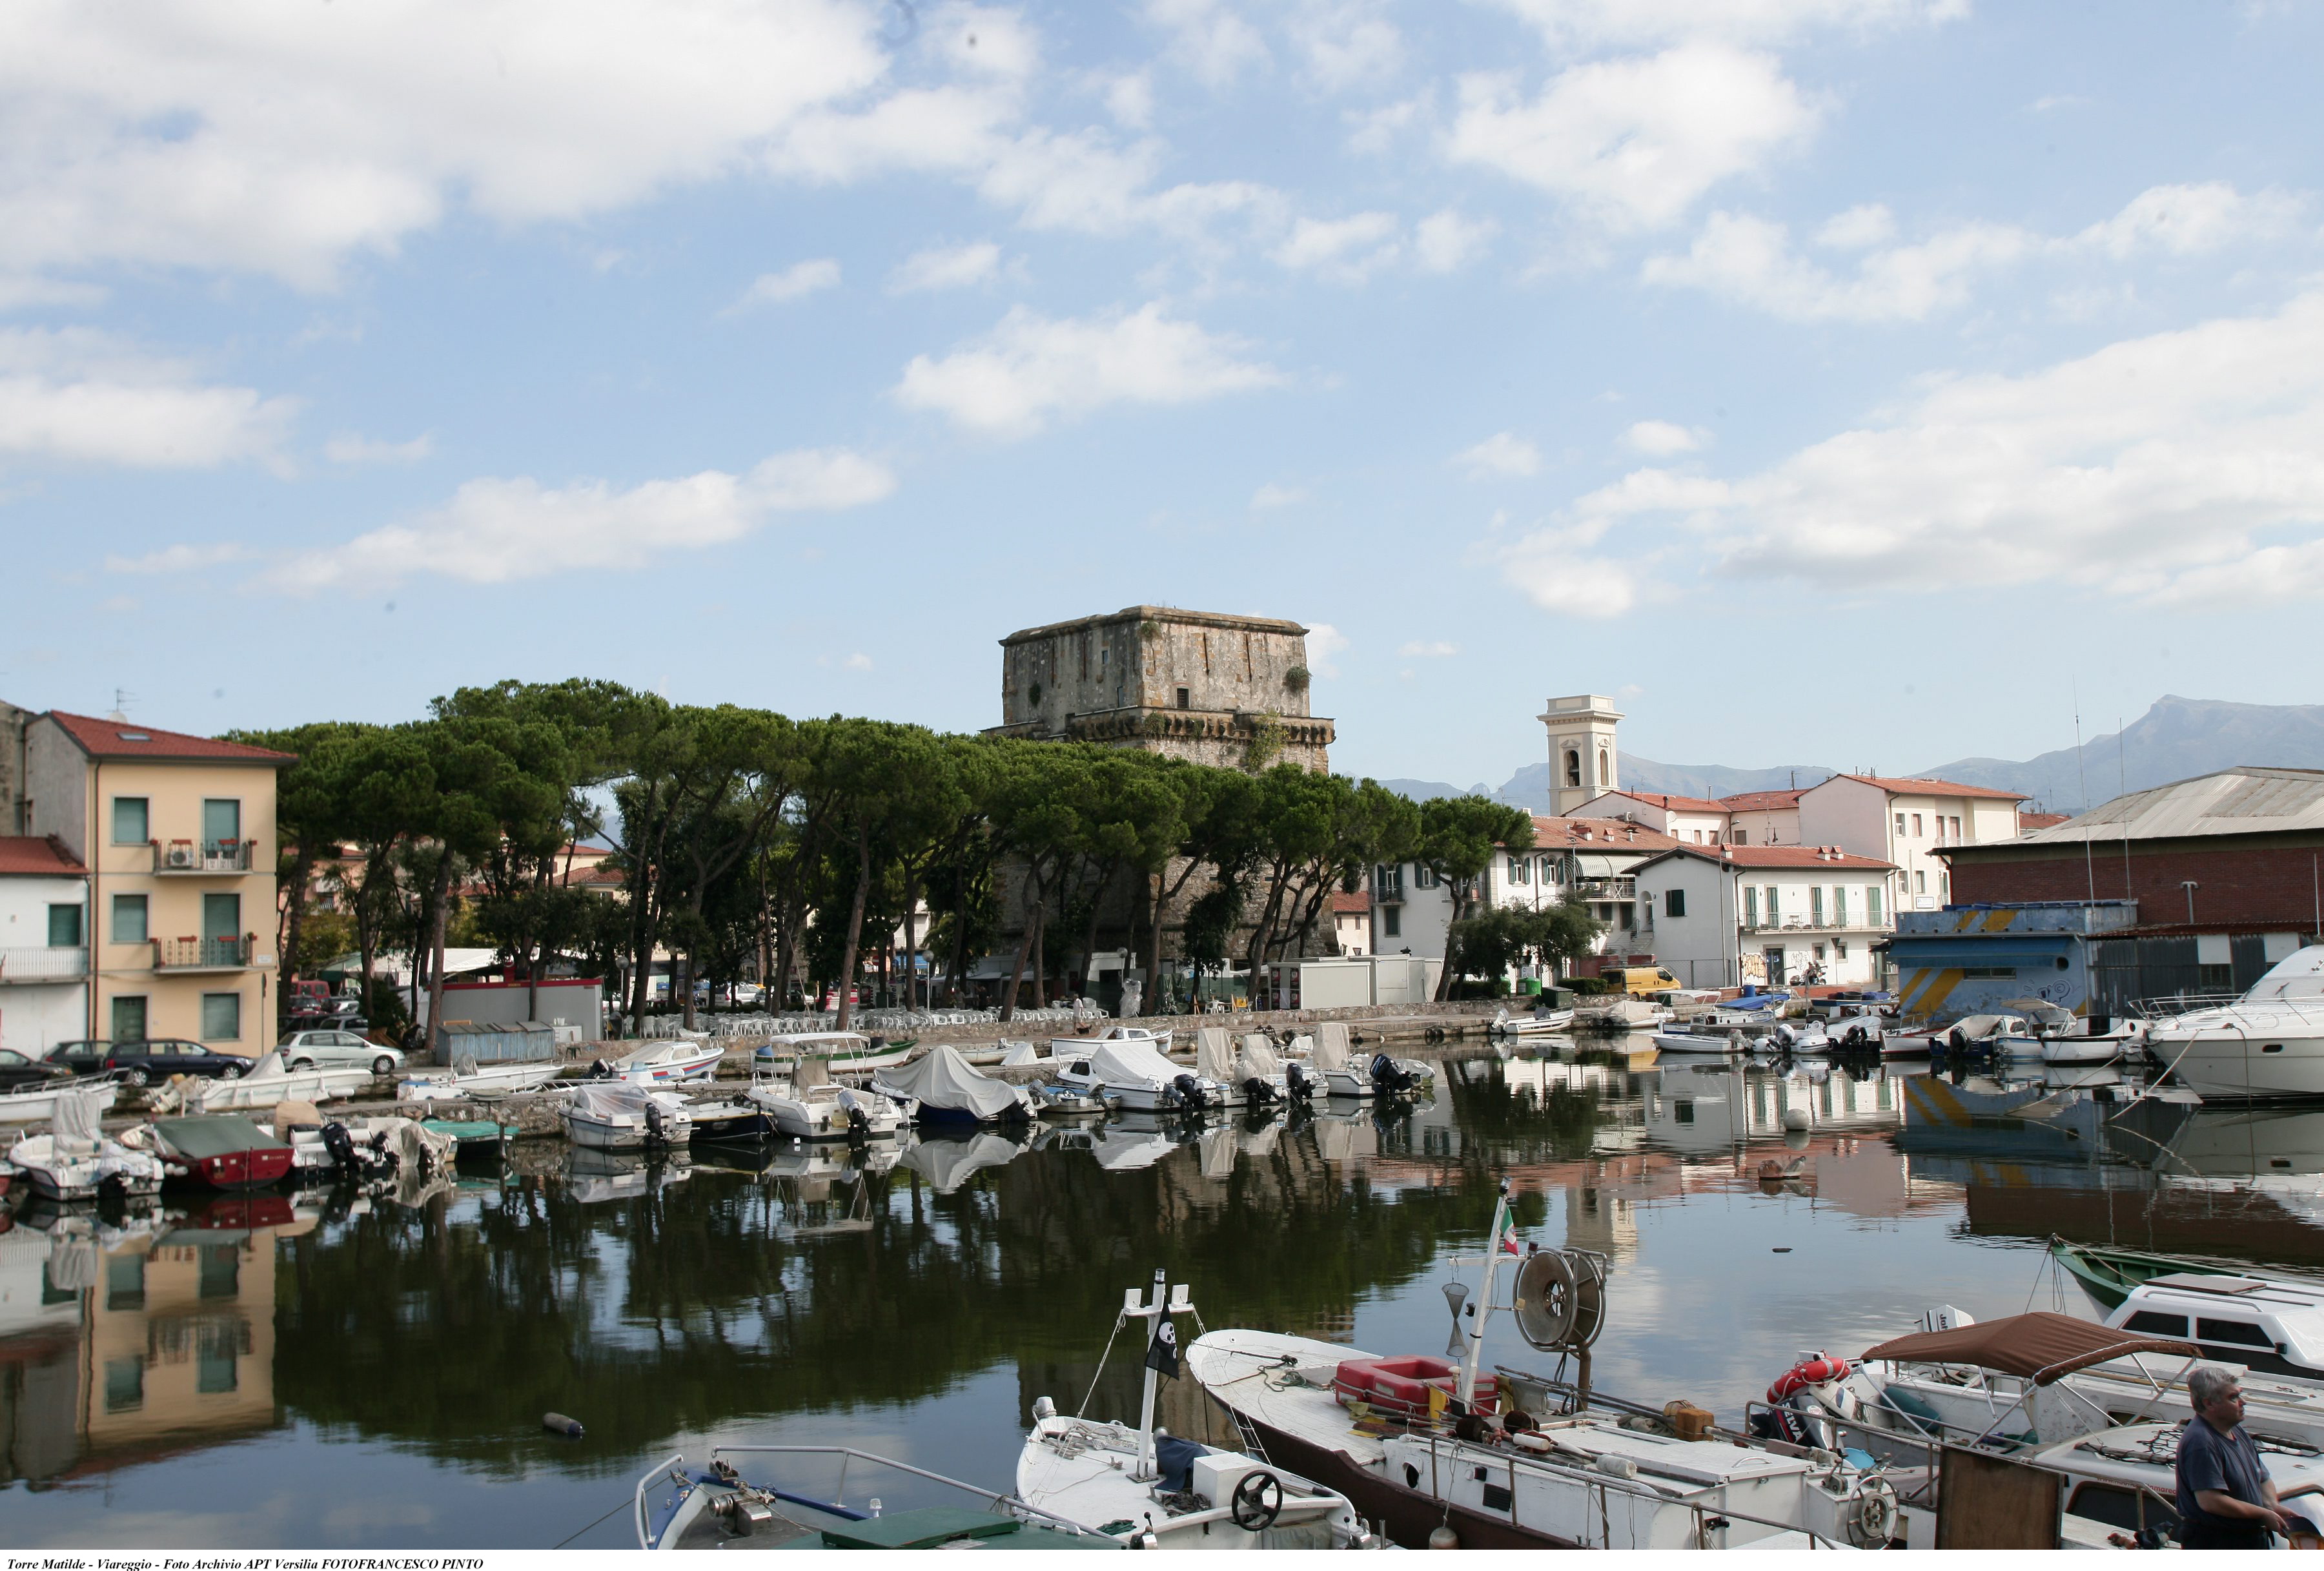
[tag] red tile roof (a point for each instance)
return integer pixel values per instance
(2041, 820)
(1931, 788)
(124, 740)
(1777, 856)
(1670, 804)
(37, 854)
(1762, 801)
(1551, 833)
(1358, 901)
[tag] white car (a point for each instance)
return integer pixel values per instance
(337, 1050)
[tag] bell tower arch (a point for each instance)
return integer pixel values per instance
(1585, 760)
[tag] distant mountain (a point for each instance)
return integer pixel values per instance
(2176, 739)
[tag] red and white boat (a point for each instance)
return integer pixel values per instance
(219, 1152)
(661, 1063)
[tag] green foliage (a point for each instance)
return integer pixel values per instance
(1266, 743)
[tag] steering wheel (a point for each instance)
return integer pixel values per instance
(1258, 1501)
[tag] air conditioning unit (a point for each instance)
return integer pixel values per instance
(181, 856)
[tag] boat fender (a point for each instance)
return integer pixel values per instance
(1614, 1467)
(558, 1423)
(1819, 1370)
(1530, 1442)
(1442, 1537)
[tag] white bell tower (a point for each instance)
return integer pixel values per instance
(1584, 760)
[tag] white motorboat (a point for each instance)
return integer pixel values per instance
(617, 1116)
(1253, 1077)
(1724, 1043)
(826, 1112)
(37, 1102)
(478, 1082)
(1135, 1076)
(842, 1053)
(669, 1063)
(1060, 1047)
(1380, 1431)
(269, 1082)
(941, 1086)
(368, 1149)
(2267, 1044)
(74, 1162)
(1540, 1023)
(1802, 1040)
(1333, 1062)
(2056, 1035)
(1154, 1491)
(1288, 1079)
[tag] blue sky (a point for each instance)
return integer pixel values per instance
(1835, 380)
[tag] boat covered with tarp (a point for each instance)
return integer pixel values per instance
(944, 1088)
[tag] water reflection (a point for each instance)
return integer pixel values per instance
(916, 1297)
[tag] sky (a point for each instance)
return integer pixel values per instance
(1863, 383)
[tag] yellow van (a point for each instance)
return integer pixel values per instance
(1641, 981)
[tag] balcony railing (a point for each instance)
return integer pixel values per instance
(1813, 924)
(202, 953)
(202, 855)
(54, 963)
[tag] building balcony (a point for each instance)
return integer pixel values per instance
(202, 856)
(53, 963)
(1811, 924)
(204, 954)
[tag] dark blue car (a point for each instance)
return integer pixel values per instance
(140, 1063)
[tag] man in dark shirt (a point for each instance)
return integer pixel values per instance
(2225, 1499)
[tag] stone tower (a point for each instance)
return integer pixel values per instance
(1584, 760)
(1227, 690)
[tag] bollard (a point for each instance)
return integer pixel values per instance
(558, 1423)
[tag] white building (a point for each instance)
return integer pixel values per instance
(1763, 913)
(1591, 858)
(1689, 820)
(43, 945)
(1584, 761)
(1906, 822)
(1352, 923)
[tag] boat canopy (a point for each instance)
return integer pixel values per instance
(2041, 1346)
(1259, 1055)
(220, 1135)
(610, 1099)
(1114, 1062)
(1331, 1045)
(1018, 1054)
(1214, 1054)
(942, 1078)
(2038, 1010)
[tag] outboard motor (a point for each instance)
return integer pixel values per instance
(1297, 1081)
(598, 1071)
(342, 1147)
(1257, 1093)
(1387, 1076)
(858, 1122)
(1191, 1096)
(656, 1126)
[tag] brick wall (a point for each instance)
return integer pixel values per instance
(2243, 886)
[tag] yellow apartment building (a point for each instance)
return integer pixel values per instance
(178, 835)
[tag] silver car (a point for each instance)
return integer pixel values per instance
(322, 1049)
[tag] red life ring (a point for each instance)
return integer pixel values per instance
(1818, 1371)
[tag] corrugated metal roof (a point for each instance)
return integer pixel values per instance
(2242, 800)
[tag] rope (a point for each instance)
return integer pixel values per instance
(562, 1542)
(1101, 1357)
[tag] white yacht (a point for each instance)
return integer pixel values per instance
(1153, 1491)
(1134, 1074)
(2266, 1044)
(1059, 1047)
(826, 1112)
(270, 1081)
(662, 1063)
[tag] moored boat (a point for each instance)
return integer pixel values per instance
(481, 1082)
(73, 1160)
(825, 1112)
(220, 1151)
(667, 1063)
(269, 1082)
(941, 1086)
(843, 1052)
(615, 1116)
(2266, 1046)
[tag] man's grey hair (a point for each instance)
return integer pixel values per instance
(2207, 1383)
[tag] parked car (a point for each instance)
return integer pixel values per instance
(142, 1063)
(322, 1049)
(85, 1057)
(16, 1069)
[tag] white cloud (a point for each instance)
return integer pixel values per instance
(1129, 99)
(1436, 651)
(1030, 368)
(1661, 437)
(795, 281)
(1553, 568)
(1446, 242)
(1501, 454)
(2185, 468)
(178, 559)
(348, 449)
(1635, 141)
(1209, 38)
(85, 397)
(1646, 22)
(1344, 43)
(1325, 644)
(496, 530)
(949, 267)
(1377, 130)
(281, 137)
(857, 662)
(1347, 249)
(1270, 496)
(1750, 260)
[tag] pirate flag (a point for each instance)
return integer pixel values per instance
(1162, 1354)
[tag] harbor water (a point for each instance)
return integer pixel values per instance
(267, 1372)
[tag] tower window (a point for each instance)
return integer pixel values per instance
(1572, 767)
(1186, 698)
(1605, 766)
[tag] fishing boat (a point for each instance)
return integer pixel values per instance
(74, 1162)
(941, 1086)
(615, 1116)
(1135, 1075)
(669, 1063)
(825, 1112)
(1158, 1492)
(481, 1082)
(718, 1507)
(269, 1082)
(1431, 1446)
(37, 1102)
(220, 1151)
(843, 1052)
(2266, 1046)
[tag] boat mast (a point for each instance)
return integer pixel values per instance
(1165, 1302)
(1485, 1297)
